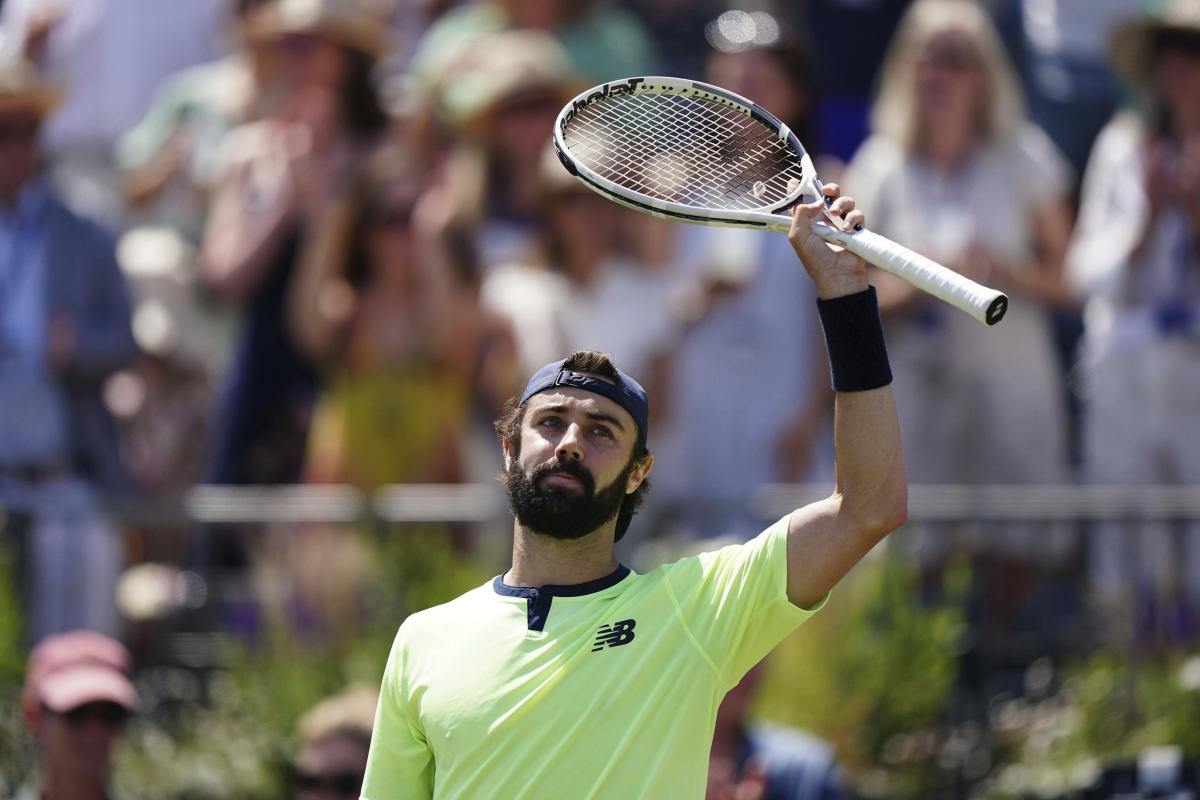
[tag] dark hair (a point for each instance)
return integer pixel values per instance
(244, 8)
(1161, 41)
(373, 191)
(508, 426)
(362, 107)
(793, 54)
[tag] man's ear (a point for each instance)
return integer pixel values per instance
(507, 455)
(638, 474)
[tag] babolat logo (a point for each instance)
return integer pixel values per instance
(627, 86)
(614, 635)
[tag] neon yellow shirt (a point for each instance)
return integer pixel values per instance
(603, 690)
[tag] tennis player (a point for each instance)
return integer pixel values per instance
(570, 676)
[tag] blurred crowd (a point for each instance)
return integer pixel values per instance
(248, 242)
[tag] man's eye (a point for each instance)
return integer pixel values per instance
(550, 422)
(600, 430)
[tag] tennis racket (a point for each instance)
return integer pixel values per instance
(693, 152)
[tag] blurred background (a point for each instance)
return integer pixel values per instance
(270, 268)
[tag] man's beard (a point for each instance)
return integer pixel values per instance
(563, 512)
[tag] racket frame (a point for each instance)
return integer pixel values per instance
(771, 216)
(984, 304)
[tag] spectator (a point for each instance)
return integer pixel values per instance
(76, 699)
(89, 47)
(499, 102)
(63, 331)
(169, 163)
(393, 328)
(168, 159)
(602, 42)
(282, 175)
(763, 760)
(765, 59)
(333, 739)
(954, 171)
(576, 288)
(752, 316)
(1135, 258)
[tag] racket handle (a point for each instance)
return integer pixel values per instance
(984, 304)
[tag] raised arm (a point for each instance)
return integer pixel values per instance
(828, 537)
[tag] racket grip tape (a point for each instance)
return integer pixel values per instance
(984, 304)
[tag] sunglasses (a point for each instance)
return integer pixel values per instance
(346, 784)
(111, 714)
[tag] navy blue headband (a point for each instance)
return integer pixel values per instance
(626, 392)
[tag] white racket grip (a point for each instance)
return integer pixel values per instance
(984, 304)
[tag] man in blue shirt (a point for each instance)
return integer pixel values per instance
(64, 329)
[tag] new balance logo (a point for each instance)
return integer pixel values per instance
(613, 635)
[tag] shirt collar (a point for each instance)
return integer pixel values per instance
(558, 590)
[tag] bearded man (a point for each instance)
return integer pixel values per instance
(570, 675)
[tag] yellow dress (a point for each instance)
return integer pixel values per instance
(396, 424)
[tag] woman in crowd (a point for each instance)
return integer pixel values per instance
(496, 105)
(1135, 258)
(281, 176)
(954, 170)
(396, 329)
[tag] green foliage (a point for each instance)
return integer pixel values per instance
(237, 745)
(874, 664)
(12, 628)
(221, 751)
(14, 739)
(1108, 710)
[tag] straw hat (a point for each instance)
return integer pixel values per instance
(1131, 43)
(502, 68)
(22, 86)
(361, 25)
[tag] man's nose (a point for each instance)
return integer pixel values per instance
(570, 445)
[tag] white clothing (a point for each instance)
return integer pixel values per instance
(1140, 362)
(622, 312)
(976, 404)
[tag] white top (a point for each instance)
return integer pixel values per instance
(622, 312)
(990, 199)
(1127, 295)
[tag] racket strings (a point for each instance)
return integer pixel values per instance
(683, 150)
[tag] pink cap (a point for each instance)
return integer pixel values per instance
(71, 669)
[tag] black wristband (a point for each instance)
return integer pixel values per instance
(858, 358)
